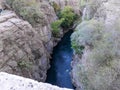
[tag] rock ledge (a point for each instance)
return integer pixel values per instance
(14, 82)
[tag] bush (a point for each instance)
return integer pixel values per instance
(29, 10)
(24, 65)
(99, 68)
(56, 27)
(101, 63)
(69, 17)
(78, 49)
(87, 33)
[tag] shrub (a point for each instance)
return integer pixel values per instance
(56, 27)
(78, 49)
(99, 67)
(101, 62)
(87, 33)
(24, 64)
(69, 17)
(29, 10)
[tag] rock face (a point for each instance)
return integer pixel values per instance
(25, 49)
(13, 82)
(21, 49)
(98, 67)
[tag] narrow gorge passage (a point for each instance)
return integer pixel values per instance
(59, 73)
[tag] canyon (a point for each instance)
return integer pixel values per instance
(26, 47)
(27, 44)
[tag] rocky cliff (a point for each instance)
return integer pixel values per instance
(26, 39)
(25, 48)
(22, 50)
(96, 44)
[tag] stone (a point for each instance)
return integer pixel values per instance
(13, 82)
(12, 64)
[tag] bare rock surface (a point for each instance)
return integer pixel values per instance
(13, 82)
(25, 49)
(21, 49)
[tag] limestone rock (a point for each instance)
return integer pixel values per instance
(21, 47)
(13, 82)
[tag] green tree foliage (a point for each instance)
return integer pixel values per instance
(56, 27)
(69, 17)
(24, 65)
(66, 19)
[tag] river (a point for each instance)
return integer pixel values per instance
(59, 73)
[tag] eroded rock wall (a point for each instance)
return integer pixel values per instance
(94, 70)
(21, 49)
(25, 49)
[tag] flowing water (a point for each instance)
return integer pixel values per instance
(84, 14)
(59, 73)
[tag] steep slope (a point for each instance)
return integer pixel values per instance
(96, 66)
(22, 50)
(26, 37)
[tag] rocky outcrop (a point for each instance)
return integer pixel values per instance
(25, 49)
(22, 51)
(45, 30)
(94, 70)
(13, 82)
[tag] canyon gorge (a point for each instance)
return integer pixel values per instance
(68, 43)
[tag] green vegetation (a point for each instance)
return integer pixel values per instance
(29, 10)
(24, 64)
(69, 17)
(87, 33)
(78, 49)
(66, 19)
(56, 27)
(98, 69)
